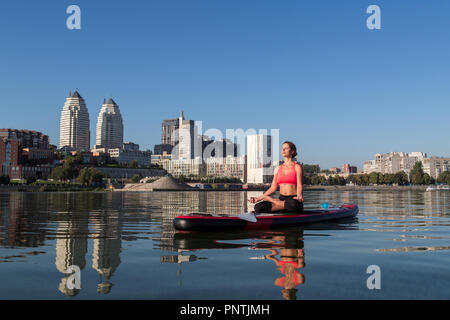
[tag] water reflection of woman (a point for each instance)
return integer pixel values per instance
(292, 258)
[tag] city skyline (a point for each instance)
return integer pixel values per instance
(320, 76)
(111, 104)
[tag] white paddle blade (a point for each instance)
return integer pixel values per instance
(248, 216)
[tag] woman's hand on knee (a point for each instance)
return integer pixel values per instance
(255, 199)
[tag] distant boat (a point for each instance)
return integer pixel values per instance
(438, 188)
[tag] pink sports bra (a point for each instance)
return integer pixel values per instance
(295, 265)
(290, 178)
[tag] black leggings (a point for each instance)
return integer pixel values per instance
(290, 205)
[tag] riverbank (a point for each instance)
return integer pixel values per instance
(142, 188)
(48, 188)
(146, 188)
(373, 188)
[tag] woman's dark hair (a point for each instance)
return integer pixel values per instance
(292, 147)
(289, 294)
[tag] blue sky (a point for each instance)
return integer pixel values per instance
(312, 69)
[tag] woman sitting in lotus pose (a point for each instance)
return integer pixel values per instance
(289, 177)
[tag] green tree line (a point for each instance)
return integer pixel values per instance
(444, 177)
(399, 178)
(417, 177)
(208, 179)
(71, 169)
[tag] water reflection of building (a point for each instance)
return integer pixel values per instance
(220, 202)
(76, 213)
(415, 249)
(70, 219)
(71, 246)
(174, 204)
(107, 248)
(22, 224)
(405, 203)
(437, 202)
(178, 203)
(9, 207)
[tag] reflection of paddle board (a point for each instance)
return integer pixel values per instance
(209, 222)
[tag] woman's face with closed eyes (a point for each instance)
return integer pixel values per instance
(285, 150)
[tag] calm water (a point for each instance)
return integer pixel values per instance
(126, 248)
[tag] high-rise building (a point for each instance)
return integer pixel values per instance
(169, 126)
(74, 125)
(187, 141)
(186, 138)
(183, 139)
(259, 159)
(109, 126)
(218, 148)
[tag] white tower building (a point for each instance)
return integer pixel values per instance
(109, 126)
(74, 125)
(259, 159)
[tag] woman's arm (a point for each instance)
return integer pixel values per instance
(271, 255)
(273, 188)
(299, 171)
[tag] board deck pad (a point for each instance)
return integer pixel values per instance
(202, 221)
